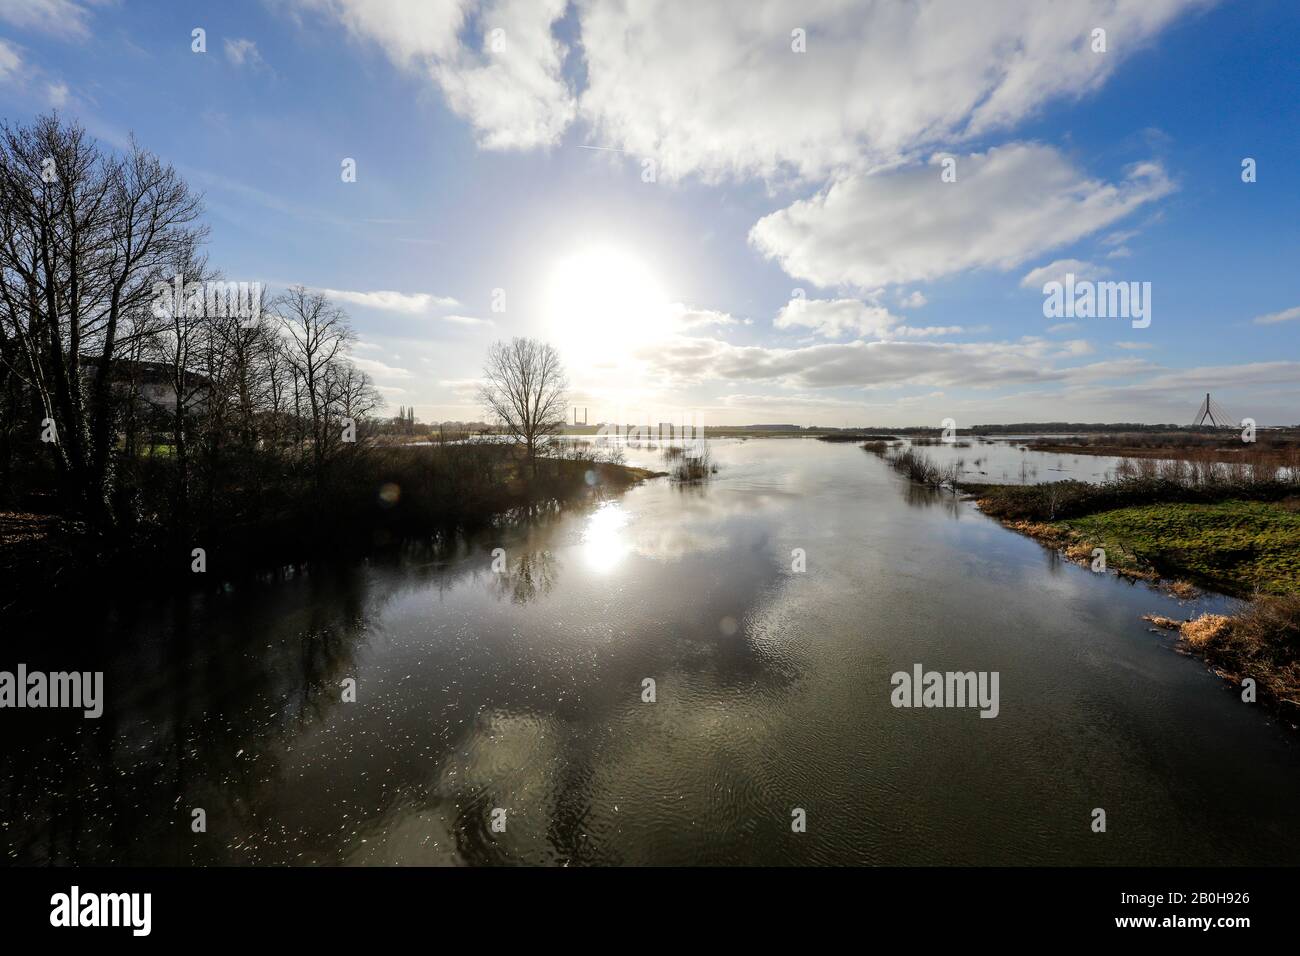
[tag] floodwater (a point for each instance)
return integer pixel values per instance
(518, 698)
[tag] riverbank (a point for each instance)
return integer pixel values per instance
(1239, 539)
(1259, 644)
(369, 501)
(1243, 541)
(1274, 448)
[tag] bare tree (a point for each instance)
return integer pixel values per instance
(180, 336)
(316, 335)
(525, 390)
(85, 237)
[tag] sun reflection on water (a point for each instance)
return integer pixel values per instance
(604, 543)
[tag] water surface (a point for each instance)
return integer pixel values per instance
(522, 691)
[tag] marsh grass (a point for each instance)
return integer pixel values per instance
(1261, 643)
(694, 464)
(921, 468)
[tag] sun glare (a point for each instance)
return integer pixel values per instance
(601, 303)
(604, 541)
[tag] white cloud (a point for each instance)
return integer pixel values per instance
(515, 96)
(242, 51)
(57, 93)
(685, 318)
(408, 30)
(833, 318)
(463, 389)
(885, 363)
(10, 61)
(1134, 346)
(1056, 272)
(378, 369)
(1286, 315)
(1008, 204)
(714, 88)
(915, 300)
(466, 320)
(60, 17)
(1077, 347)
(413, 303)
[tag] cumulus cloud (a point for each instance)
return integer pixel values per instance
(512, 91)
(407, 30)
(833, 318)
(1009, 204)
(508, 83)
(715, 89)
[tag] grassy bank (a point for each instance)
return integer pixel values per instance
(1237, 539)
(1239, 547)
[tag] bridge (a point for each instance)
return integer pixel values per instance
(1215, 414)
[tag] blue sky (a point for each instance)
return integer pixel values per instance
(795, 256)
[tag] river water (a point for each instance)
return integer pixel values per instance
(478, 692)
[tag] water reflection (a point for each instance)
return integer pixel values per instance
(604, 542)
(533, 573)
(523, 691)
(924, 496)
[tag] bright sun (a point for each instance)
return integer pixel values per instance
(601, 303)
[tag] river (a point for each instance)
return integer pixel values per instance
(502, 717)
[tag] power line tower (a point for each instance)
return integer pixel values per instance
(1214, 413)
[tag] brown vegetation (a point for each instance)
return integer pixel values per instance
(1261, 643)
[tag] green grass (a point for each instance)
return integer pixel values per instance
(1235, 546)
